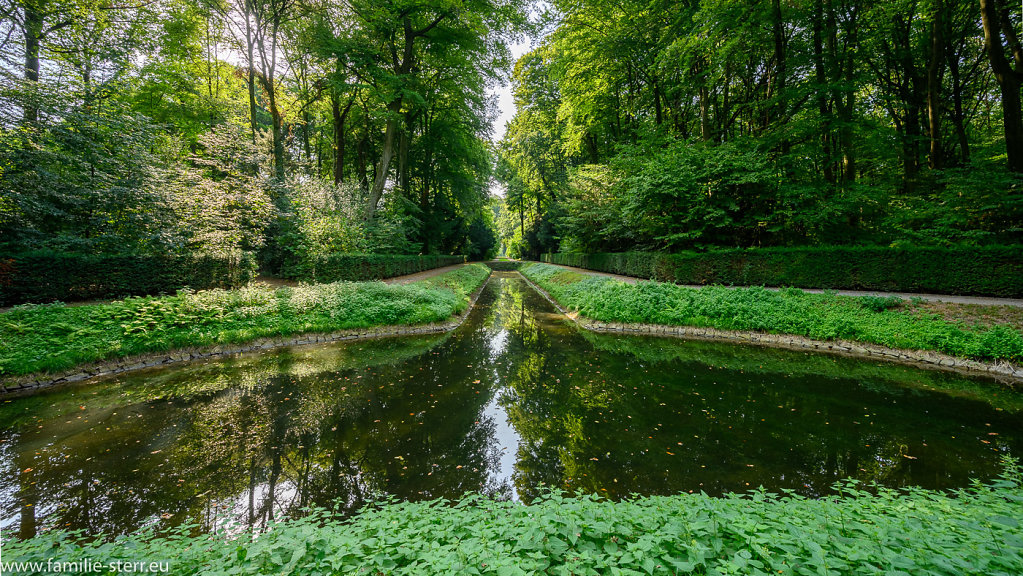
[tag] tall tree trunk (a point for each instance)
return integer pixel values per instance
(250, 47)
(705, 132)
(658, 111)
(33, 33)
(362, 161)
(340, 117)
(386, 155)
(780, 107)
(934, 68)
(958, 115)
(1008, 78)
(847, 104)
(403, 159)
(278, 126)
(822, 93)
(305, 135)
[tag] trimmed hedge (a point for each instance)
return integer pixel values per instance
(354, 267)
(983, 271)
(48, 276)
(504, 265)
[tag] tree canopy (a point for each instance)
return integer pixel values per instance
(286, 126)
(689, 125)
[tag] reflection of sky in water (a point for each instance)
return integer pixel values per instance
(506, 440)
(514, 399)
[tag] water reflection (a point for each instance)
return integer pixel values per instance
(514, 401)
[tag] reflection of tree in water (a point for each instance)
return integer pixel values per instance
(289, 438)
(598, 417)
(259, 438)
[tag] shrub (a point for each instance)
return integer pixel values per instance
(982, 270)
(46, 276)
(879, 303)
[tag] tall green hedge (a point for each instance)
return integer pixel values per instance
(987, 271)
(341, 266)
(48, 276)
(504, 265)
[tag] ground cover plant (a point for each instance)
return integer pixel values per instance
(789, 311)
(861, 530)
(54, 337)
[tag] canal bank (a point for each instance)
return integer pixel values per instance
(1005, 371)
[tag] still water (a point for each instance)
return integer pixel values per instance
(516, 400)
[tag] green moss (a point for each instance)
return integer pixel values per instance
(55, 337)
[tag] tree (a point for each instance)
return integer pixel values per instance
(1002, 44)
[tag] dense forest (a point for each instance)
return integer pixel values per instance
(682, 125)
(297, 128)
(287, 128)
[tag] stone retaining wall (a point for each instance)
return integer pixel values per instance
(32, 382)
(1003, 371)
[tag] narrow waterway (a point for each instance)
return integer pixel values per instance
(514, 402)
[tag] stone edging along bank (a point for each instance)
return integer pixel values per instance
(1003, 371)
(32, 382)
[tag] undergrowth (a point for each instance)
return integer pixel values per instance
(55, 337)
(788, 311)
(862, 530)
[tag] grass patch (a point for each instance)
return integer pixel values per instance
(788, 311)
(858, 531)
(55, 337)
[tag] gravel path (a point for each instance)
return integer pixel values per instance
(979, 300)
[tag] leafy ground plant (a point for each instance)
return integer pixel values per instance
(791, 311)
(54, 337)
(862, 530)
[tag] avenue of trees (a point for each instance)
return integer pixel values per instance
(680, 125)
(283, 127)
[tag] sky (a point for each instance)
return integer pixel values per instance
(505, 100)
(505, 106)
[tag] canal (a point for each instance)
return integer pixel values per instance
(516, 401)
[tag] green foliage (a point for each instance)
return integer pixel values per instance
(862, 530)
(818, 316)
(482, 240)
(685, 192)
(91, 181)
(45, 276)
(38, 338)
(981, 270)
(879, 303)
(663, 125)
(504, 265)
